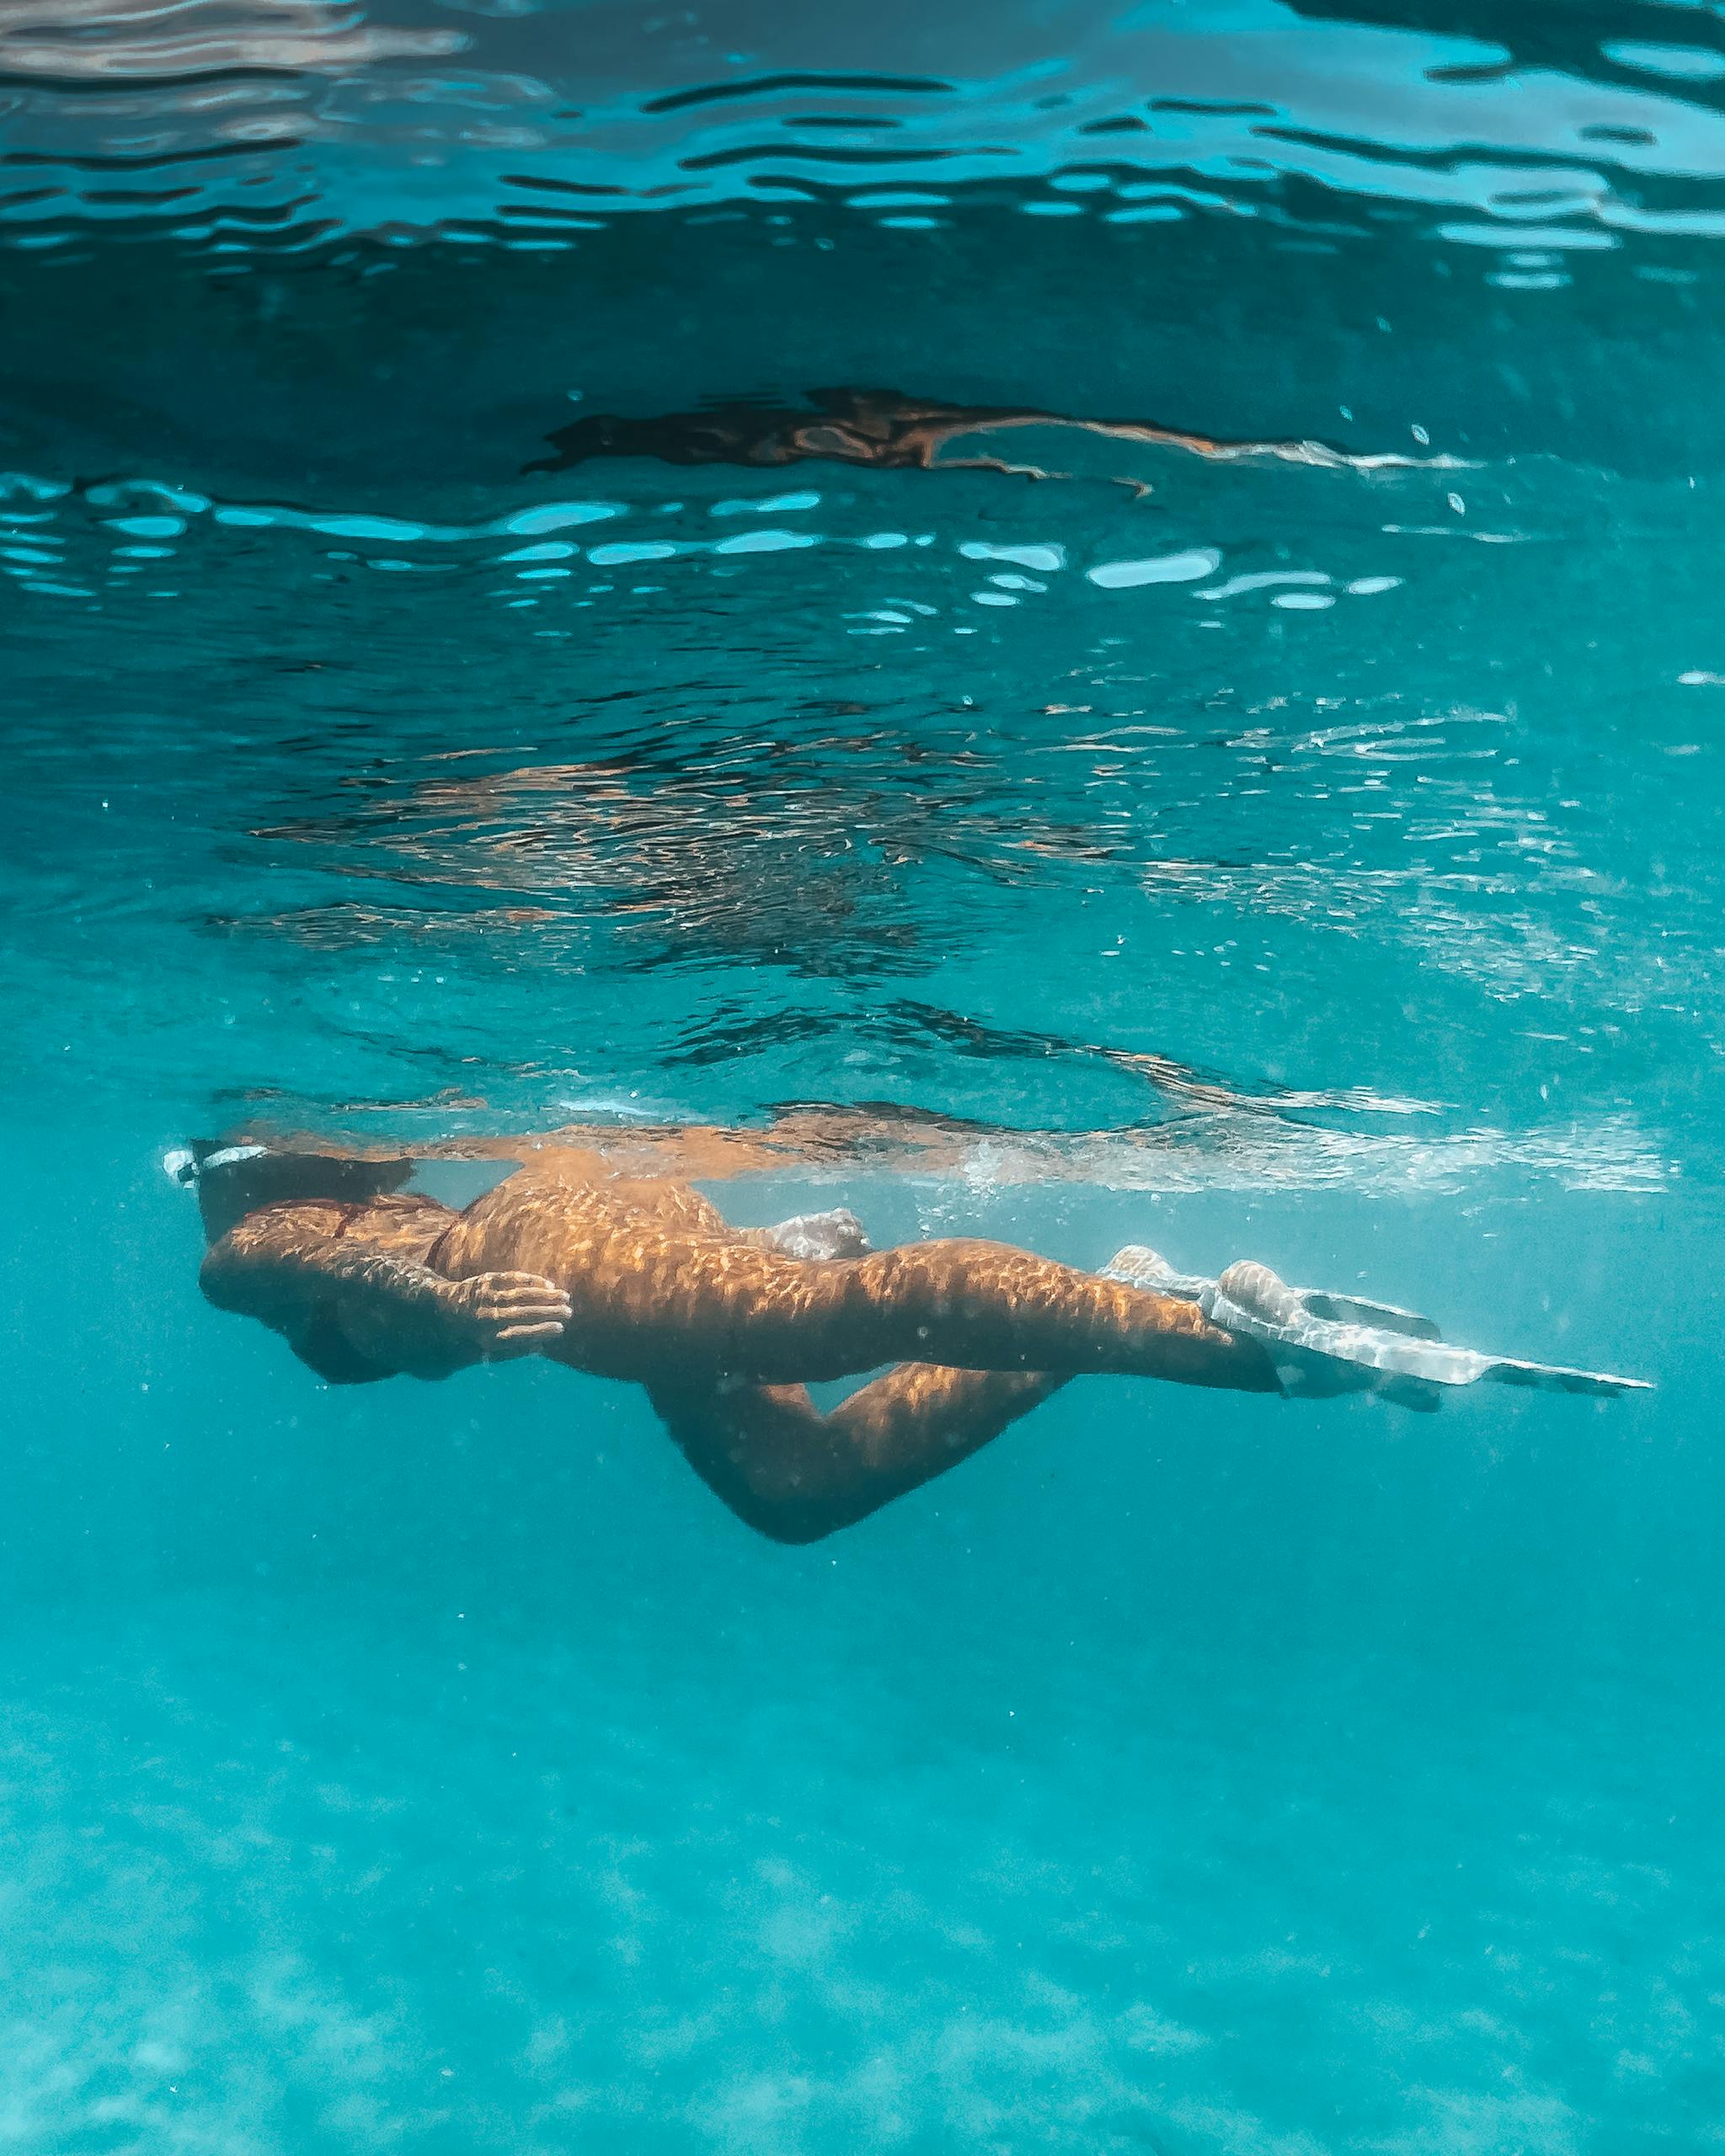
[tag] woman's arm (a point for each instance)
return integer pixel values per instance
(290, 1267)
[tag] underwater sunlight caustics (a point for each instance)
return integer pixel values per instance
(725, 1328)
(862, 722)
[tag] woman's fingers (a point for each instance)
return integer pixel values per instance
(520, 1295)
(515, 1312)
(525, 1305)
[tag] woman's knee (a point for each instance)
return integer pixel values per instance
(791, 1528)
(789, 1518)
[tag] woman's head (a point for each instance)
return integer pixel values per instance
(234, 1179)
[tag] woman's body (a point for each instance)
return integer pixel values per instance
(646, 1281)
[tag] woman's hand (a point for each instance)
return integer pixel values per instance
(502, 1315)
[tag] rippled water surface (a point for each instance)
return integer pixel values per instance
(465, 671)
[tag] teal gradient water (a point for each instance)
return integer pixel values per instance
(438, 1769)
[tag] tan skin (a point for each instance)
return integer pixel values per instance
(642, 1279)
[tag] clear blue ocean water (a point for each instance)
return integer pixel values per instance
(439, 1769)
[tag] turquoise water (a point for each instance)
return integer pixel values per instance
(438, 1768)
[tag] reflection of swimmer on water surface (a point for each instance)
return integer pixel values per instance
(795, 853)
(640, 1278)
(892, 432)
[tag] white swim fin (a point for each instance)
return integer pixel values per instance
(1323, 1344)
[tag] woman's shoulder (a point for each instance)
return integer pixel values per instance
(391, 1219)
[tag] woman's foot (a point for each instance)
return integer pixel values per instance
(838, 1234)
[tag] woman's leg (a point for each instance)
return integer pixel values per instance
(795, 1475)
(655, 1300)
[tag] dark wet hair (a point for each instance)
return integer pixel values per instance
(234, 1178)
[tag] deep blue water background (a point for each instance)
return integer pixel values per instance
(438, 1769)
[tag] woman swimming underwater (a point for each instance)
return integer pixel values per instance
(600, 1254)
